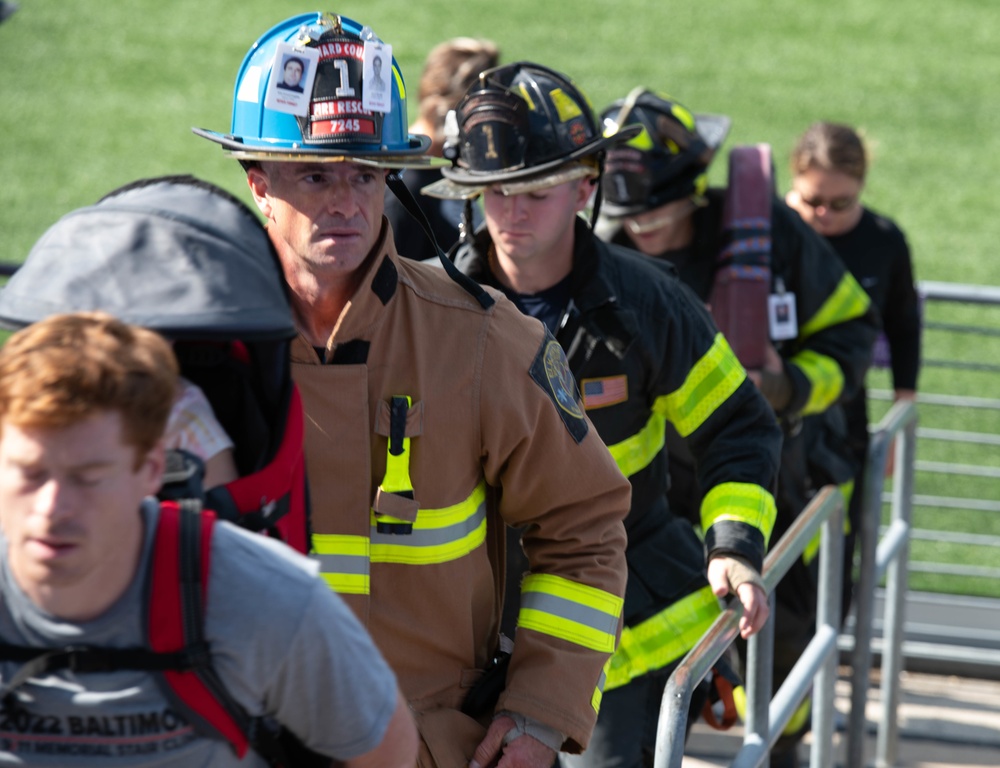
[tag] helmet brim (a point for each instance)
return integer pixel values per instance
(446, 189)
(414, 157)
(460, 176)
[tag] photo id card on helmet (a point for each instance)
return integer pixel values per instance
(376, 91)
(292, 73)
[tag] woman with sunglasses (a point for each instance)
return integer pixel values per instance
(829, 164)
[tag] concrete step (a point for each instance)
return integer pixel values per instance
(945, 722)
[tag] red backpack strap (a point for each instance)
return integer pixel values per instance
(281, 485)
(178, 588)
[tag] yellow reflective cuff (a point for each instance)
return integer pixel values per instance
(571, 611)
(635, 453)
(826, 380)
(662, 638)
(439, 535)
(847, 302)
(709, 383)
(742, 503)
(343, 562)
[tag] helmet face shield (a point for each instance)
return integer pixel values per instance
(667, 161)
(350, 105)
(627, 177)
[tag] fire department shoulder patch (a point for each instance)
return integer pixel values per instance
(551, 372)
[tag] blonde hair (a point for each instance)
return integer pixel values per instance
(831, 147)
(63, 369)
(450, 69)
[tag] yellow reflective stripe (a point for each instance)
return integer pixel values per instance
(847, 490)
(595, 700)
(399, 83)
(709, 383)
(848, 301)
(811, 548)
(343, 562)
(635, 453)
(799, 718)
(642, 141)
(826, 380)
(439, 535)
(741, 502)
(662, 638)
(571, 611)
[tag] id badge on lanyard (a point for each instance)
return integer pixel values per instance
(781, 318)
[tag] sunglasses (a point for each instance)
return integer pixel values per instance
(837, 204)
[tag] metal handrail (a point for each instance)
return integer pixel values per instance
(816, 669)
(876, 557)
(819, 660)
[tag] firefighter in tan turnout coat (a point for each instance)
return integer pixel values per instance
(435, 414)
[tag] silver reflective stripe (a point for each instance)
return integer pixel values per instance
(433, 537)
(571, 611)
(353, 564)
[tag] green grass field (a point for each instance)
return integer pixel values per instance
(97, 94)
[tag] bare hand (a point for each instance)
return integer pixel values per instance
(522, 752)
(772, 363)
(723, 572)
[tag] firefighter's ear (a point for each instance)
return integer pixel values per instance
(259, 184)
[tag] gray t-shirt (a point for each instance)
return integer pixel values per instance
(282, 643)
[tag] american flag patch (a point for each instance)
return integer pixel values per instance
(598, 393)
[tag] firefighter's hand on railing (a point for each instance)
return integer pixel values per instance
(508, 744)
(733, 575)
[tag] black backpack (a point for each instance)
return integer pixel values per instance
(184, 258)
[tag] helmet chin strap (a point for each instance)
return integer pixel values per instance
(403, 194)
(597, 191)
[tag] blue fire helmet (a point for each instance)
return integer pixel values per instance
(332, 121)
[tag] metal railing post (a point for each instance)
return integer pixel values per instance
(896, 587)
(760, 678)
(831, 581)
(864, 596)
(901, 418)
